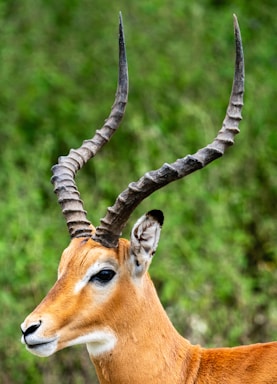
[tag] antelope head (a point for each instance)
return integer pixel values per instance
(103, 292)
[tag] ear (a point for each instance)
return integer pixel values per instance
(144, 241)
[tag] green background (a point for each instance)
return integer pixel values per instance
(215, 268)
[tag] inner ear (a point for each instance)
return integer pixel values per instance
(144, 241)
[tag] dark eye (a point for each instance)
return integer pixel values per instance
(103, 276)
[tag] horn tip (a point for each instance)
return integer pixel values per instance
(236, 23)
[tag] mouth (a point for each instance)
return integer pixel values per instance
(42, 348)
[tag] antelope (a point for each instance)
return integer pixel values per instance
(104, 296)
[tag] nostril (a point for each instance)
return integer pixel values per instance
(31, 329)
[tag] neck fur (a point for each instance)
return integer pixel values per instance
(148, 349)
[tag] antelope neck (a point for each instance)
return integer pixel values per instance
(148, 349)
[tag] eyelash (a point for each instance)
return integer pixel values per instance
(103, 277)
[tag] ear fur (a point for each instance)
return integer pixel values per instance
(144, 241)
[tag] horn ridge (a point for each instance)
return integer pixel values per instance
(112, 224)
(65, 171)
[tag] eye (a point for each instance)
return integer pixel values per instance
(103, 276)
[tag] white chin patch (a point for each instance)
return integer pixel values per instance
(100, 342)
(43, 350)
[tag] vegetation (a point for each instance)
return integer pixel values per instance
(215, 268)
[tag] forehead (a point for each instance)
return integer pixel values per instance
(82, 253)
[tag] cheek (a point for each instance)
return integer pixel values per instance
(101, 297)
(95, 302)
(120, 302)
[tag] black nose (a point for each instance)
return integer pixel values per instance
(31, 329)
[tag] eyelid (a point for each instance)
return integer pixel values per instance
(105, 279)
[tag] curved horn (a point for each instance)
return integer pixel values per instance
(65, 171)
(116, 217)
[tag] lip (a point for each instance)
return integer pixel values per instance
(32, 341)
(42, 348)
(33, 346)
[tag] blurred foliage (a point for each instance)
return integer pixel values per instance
(215, 269)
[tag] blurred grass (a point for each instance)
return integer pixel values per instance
(215, 268)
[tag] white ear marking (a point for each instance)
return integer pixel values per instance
(144, 240)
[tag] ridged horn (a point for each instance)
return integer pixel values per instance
(65, 171)
(117, 216)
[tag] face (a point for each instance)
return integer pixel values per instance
(76, 308)
(98, 289)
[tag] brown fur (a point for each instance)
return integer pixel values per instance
(149, 349)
